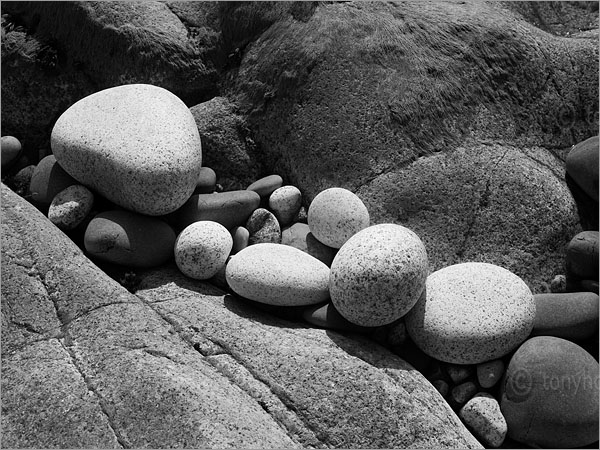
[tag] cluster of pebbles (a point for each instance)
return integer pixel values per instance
(506, 360)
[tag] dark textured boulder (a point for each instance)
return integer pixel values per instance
(582, 179)
(87, 364)
(378, 104)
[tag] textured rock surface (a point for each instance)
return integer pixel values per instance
(47, 180)
(70, 206)
(278, 274)
(550, 394)
(482, 414)
(471, 313)
(263, 227)
(477, 172)
(378, 275)
(137, 145)
(175, 364)
(285, 202)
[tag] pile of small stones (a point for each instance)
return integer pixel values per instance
(506, 360)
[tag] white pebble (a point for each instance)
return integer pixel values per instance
(70, 206)
(285, 202)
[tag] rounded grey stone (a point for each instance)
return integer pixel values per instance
(202, 248)
(378, 274)
(263, 227)
(471, 313)
(70, 206)
(335, 215)
(483, 416)
(137, 145)
(278, 274)
(489, 373)
(285, 202)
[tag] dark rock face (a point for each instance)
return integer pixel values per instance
(54, 54)
(87, 364)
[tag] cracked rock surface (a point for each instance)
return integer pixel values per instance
(87, 364)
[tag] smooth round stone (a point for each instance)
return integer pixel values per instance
(263, 227)
(482, 415)
(207, 181)
(463, 392)
(582, 165)
(489, 373)
(378, 275)
(230, 209)
(129, 239)
(458, 373)
(70, 207)
(240, 236)
(471, 313)
(335, 215)
(21, 181)
(298, 235)
(48, 179)
(10, 148)
(326, 316)
(266, 186)
(549, 395)
(278, 275)
(137, 145)
(202, 248)
(572, 316)
(582, 255)
(285, 202)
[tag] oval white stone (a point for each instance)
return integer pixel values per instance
(378, 275)
(137, 145)
(202, 248)
(335, 215)
(278, 274)
(472, 312)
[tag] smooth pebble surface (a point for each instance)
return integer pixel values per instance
(70, 206)
(549, 395)
(48, 179)
(278, 274)
(335, 215)
(298, 235)
(240, 236)
(266, 185)
(582, 165)
(489, 373)
(207, 181)
(137, 145)
(10, 148)
(285, 202)
(471, 313)
(378, 274)
(202, 248)
(483, 416)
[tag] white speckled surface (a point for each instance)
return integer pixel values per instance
(278, 274)
(483, 416)
(137, 145)
(336, 214)
(378, 274)
(202, 248)
(70, 206)
(471, 313)
(285, 202)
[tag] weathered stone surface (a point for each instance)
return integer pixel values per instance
(474, 171)
(129, 371)
(47, 180)
(482, 414)
(70, 207)
(136, 144)
(263, 227)
(582, 165)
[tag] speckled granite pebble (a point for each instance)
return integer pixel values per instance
(549, 394)
(378, 275)
(335, 215)
(137, 145)
(298, 235)
(48, 179)
(129, 239)
(285, 202)
(70, 207)
(207, 181)
(263, 227)
(489, 373)
(10, 148)
(463, 392)
(482, 415)
(278, 275)
(458, 373)
(202, 248)
(230, 209)
(266, 185)
(473, 312)
(240, 236)
(572, 316)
